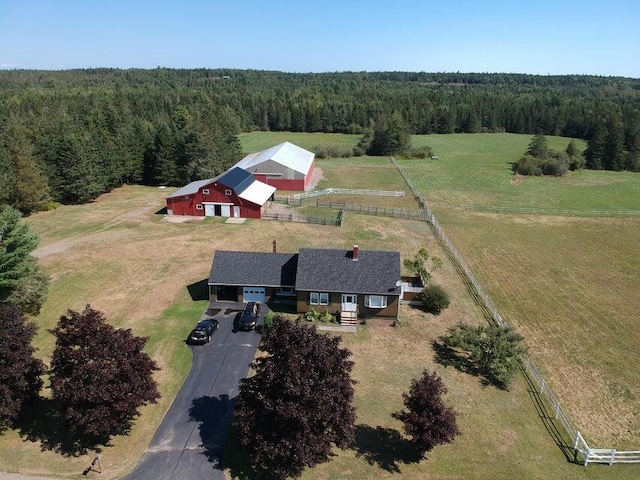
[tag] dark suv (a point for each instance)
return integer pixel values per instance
(203, 331)
(250, 316)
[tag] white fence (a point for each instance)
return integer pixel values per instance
(582, 452)
(347, 191)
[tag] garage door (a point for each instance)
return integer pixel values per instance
(253, 294)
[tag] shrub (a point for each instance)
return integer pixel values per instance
(267, 321)
(435, 299)
(527, 165)
(332, 150)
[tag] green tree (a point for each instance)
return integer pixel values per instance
(390, 137)
(495, 352)
(595, 153)
(538, 147)
(423, 265)
(21, 282)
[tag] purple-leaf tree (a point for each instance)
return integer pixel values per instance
(427, 420)
(19, 371)
(99, 375)
(298, 405)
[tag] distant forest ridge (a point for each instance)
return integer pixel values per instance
(79, 133)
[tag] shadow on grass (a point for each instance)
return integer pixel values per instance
(448, 357)
(553, 426)
(199, 290)
(384, 447)
(214, 415)
(40, 421)
(162, 211)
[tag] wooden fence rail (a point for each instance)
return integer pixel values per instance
(377, 211)
(294, 217)
(582, 451)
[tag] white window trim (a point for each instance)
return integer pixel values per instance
(321, 298)
(228, 192)
(287, 291)
(381, 304)
(198, 206)
(205, 191)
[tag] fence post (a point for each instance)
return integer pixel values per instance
(613, 456)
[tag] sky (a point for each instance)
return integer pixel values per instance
(535, 36)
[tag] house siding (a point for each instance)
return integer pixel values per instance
(335, 305)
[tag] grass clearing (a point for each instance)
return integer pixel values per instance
(119, 256)
(257, 141)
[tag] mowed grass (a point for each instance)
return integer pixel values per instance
(257, 141)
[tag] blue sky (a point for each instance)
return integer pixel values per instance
(538, 37)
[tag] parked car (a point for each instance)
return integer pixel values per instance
(250, 316)
(203, 331)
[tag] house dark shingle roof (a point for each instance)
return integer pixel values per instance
(330, 270)
(236, 179)
(254, 268)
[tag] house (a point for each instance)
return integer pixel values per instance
(348, 283)
(284, 166)
(235, 193)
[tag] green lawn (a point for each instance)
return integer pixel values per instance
(257, 141)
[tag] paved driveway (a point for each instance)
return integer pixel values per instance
(190, 440)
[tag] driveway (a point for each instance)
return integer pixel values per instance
(190, 440)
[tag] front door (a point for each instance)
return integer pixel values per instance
(349, 302)
(217, 209)
(236, 211)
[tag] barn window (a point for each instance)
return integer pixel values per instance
(186, 197)
(228, 192)
(316, 298)
(199, 206)
(375, 301)
(205, 191)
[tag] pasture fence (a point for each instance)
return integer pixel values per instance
(296, 217)
(298, 197)
(582, 452)
(377, 211)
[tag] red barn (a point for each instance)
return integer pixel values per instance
(235, 193)
(285, 166)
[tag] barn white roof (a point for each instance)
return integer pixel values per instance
(287, 154)
(257, 192)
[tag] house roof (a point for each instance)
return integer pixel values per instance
(330, 270)
(287, 154)
(254, 268)
(191, 188)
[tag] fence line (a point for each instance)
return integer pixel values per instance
(580, 447)
(377, 211)
(298, 197)
(295, 217)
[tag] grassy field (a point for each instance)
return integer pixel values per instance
(121, 257)
(257, 141)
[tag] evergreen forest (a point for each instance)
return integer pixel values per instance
(68, 136)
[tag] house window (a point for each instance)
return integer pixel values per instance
(286, 291)
(198, 206)
(205, 191)
(316, 298)
(376, 301)
(228, 192)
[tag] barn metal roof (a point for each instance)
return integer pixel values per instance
(191, 188)
(257, 192)
(236, 179)
(287, 154)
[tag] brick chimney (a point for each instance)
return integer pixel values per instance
(356, 250)
(275, 246)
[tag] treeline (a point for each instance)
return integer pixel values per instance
(75, 134)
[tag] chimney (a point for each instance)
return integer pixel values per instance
(355, 253)
(275, 246)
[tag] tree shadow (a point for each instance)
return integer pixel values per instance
(41, 421)
(448, 357)
(384, 447)
(237, 461)
(214, 415)
(199, 290)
